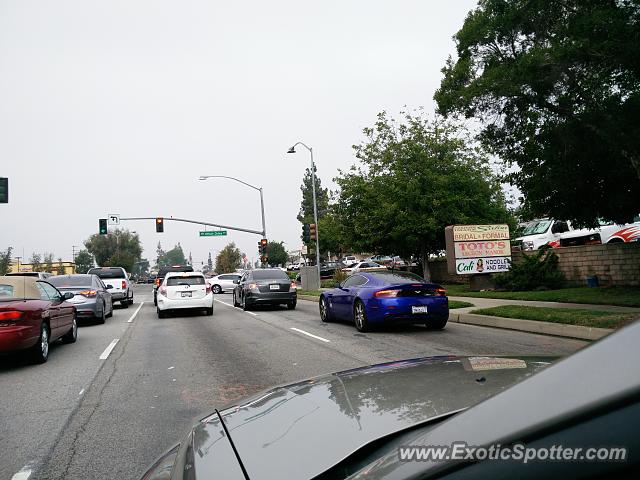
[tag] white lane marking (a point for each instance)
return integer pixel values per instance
(229, 305)
(81, 392)
(24, 473)
(135, 313)
(109, 349)
(310, 334)
(171, 368)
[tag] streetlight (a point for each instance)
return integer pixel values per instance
(315, 208)
(264, 229)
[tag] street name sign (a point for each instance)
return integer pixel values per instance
(214, 233)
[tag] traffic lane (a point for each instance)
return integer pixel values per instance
(400, 342)
(168, 373)
(37, 400)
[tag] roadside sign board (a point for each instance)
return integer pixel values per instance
(113, 219)
(4, 190)
(214, 233)
(473, 249)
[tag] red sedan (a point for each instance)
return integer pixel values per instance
(33, 313)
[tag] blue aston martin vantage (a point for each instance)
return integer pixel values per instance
(376, 298)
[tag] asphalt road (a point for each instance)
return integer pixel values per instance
(80, 416)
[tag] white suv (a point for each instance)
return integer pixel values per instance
(184, 290)
(117, 277)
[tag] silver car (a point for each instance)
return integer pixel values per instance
(92, 298)
(224, 282)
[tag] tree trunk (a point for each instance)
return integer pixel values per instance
(424, 257)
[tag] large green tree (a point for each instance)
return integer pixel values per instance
(306, 205)
(414, 178)
(5, 261)
(175, 256)
(36, 262)
(556, 85)
(84, 261)
(276, 253)
(229, 259)
(120, 248)
(47, 259)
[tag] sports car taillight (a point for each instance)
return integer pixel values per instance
(88, 293)
(386, 293)
(10, 316)
(441, 291)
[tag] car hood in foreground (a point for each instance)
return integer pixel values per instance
(303, 429)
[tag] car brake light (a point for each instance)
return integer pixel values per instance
(88, 293)
(163, 291)
(441, 291)
(157, 282)
(10, 315)
(124, 284)
(293, 286)
(386, 293)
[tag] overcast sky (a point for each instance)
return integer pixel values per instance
(118, 106)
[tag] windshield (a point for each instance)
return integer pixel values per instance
(66, 281)
(234, 152)
(537, 228)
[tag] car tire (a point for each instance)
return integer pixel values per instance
(125, 303)
(360, 317)
(161, 314)
(235, 302)
(437, 324)
(40, 351)
(323, 305)
(155, 299)
(217, 289)
(291, 305)
(131, 301)
(102, 318)
(72, 335)
(110, 314)
(245, 305)
(209, 311)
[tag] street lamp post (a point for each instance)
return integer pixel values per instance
(264, 229)
(315, 207)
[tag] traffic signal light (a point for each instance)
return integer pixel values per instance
(159, 224)
(313, 232)
(263, 246)
(306, 233)
(264, 259)
(102, 226)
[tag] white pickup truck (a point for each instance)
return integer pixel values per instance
(117, 277)
(556, 233)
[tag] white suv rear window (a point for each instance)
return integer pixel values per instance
(190, 280)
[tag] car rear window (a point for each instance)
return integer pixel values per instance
(269, 275)
(185, 280)
(63, 281)
(108, 272)
(399, 277)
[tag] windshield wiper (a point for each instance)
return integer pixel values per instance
(233, 447)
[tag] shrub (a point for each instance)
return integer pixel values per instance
(292, 275)
(534, 272)
(339, 276)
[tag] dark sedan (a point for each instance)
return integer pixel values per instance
(267, 286)
(408, 419)
(376, 298)
(33, 313)
(91, 296)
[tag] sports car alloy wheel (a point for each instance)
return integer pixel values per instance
(360, 317)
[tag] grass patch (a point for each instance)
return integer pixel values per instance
(313, 293)
(458, 304)
(569, 316)
(622, 296)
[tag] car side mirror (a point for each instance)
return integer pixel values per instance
(109, 286)
(68, 295)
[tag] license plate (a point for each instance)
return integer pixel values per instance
(186, 294)
(274, 287)
(421, 309)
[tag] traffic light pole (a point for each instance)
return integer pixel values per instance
(198, 222)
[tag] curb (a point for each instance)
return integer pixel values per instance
(310, 298)
(532, 326)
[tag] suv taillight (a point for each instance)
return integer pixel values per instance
(158, 281)
(124, 284)
(163, 291)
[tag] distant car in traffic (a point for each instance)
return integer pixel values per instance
(381, 259)
(159, 278)
(92, 297)
(39, 275)
(363, 267)
(265, 286)
(446, 417)
(33, 314)
(184, 291)
(377, 298)
(224, 282)
(118, 278)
